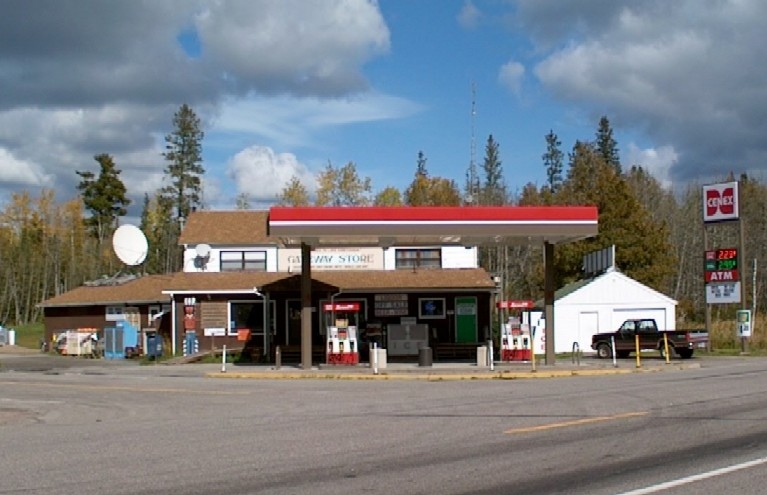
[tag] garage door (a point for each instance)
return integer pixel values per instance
(621, 315)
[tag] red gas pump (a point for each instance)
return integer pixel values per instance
(516, 340)
(342, 320)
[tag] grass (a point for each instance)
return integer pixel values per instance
(29, 335)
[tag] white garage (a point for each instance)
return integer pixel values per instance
(600, 304)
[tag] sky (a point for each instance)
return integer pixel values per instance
(284, 87)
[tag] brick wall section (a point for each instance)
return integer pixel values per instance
(213, 314)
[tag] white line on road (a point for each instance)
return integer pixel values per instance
(696, 477)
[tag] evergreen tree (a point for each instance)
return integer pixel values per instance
(643, 250)
(552, 160)
(104, 197)
(162, 231)
(607, 146)
(421, 164)
(494, 190)
(184, 169)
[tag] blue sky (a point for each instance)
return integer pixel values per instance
(284, 86)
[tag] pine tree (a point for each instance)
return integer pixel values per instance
(105, 197)
(494, 189)
(184, 170)
(552, 160)
(607, 146)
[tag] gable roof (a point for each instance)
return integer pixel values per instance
(572, 287)
(152, 289)
(226, 227)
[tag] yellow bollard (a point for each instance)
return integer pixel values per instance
(665, 346)
(636, 340)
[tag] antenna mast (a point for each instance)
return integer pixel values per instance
(473, 193)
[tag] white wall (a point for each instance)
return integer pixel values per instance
(452, 257)
(602, 306)
(213, 264)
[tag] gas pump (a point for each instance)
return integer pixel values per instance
(516, 340)
(342, 320)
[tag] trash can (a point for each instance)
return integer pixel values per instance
(424, 356)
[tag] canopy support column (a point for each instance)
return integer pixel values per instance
(306, 306)
(548, 300)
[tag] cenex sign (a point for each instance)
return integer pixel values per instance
(720, 202)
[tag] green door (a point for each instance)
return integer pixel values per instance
(466, 319)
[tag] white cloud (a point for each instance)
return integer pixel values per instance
(293, 45)
(21, 172)
(680, 72)
(511, 76)
(469, 15)
(262, 174)
(657, 161)
(288, 121)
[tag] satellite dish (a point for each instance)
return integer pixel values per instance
(130, 244)
(202, 250)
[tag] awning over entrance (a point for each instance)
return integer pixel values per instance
(403, 226)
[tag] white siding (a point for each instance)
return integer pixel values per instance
(601, 306)
(213, 263)
(459, 257)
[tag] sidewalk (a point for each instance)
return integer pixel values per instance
(449, 371)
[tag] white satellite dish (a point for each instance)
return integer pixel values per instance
(130, 244)
(202, 250)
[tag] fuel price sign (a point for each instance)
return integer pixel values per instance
(722, 265)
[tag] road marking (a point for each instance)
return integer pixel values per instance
(575, 422)
(115, 388)
(696, 477)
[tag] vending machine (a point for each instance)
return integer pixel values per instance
(342, 320)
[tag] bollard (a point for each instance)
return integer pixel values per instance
(612, 343)
(223, 360)
(277, 357)
(375, 358)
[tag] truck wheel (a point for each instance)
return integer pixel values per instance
(685, 353)
(604, 351)
(662, 350)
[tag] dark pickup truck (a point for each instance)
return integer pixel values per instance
(680, 342)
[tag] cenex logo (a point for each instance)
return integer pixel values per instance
(724, 202)
(720, 202)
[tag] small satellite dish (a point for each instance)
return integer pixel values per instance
(202, 250)
(130, 244)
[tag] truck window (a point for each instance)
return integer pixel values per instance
(647, 326)
(628, 326)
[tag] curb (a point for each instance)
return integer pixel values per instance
(439, 376)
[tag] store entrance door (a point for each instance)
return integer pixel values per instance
(465, 319)
(293, 336)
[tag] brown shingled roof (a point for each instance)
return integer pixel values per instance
(245, 227)
(149, 288)
(143, 290)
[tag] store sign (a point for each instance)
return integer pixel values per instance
(515, 304)
(289, 260)
(390, 305)
(720, 202)
(724, 293)
(722, 276)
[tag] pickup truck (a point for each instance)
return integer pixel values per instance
(680, 342)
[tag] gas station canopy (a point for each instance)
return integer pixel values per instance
(431, 225)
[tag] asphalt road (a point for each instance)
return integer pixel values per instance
(690, 431)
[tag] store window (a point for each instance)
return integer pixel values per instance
(410, 259)
(115, 313)
(241, 261)
(249, 315)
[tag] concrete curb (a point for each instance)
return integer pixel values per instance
(441, 376)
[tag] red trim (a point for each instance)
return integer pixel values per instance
(299, 214)
(341, 307)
